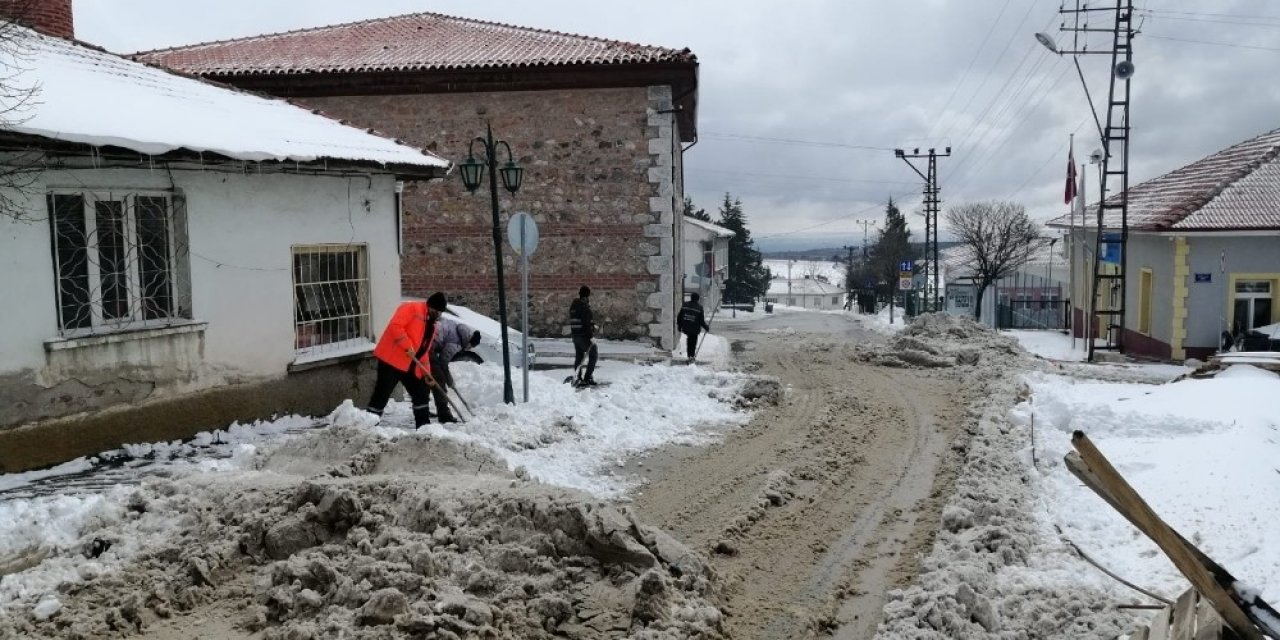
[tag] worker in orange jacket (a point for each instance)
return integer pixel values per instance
(402, 354)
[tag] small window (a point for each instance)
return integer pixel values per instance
(120, 261)
(835, 299)
(331, 299)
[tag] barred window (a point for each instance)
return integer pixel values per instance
(331, 300)
(120, 260)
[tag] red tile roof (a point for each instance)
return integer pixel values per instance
(420, 41)
(1236, 189)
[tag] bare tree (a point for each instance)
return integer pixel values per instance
(998, 237)
(20, 165)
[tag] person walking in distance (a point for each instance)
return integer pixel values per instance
(402, 355)
(691, 321)
(582, 328)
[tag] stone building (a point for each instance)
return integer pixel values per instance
(598, 125)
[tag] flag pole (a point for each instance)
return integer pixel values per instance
(1072, 234)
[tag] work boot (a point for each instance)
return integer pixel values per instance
(421, 416)
(447, 417)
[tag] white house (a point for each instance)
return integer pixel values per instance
(706, 260)
(809, 292)
(178, 255)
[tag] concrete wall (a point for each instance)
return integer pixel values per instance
(1209, 303)
(240, 228)
(603, 179)
(694, 256)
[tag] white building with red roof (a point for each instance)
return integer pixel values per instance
(1204, 252)
(178, 255)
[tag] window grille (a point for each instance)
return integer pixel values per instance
(120, 260)
(331, 300)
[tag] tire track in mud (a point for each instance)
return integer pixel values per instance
(814, 505)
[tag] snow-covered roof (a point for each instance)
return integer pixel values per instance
(89, 96)
(713, 228)
(1236, 189)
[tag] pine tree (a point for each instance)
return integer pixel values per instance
(891, 249)
(698, 214)
(748, 278)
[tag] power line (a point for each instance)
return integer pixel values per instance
(1216, 44)
(965, 76)
(1016, 31)
(1161, 16)
(1213, 15)
(809, 143)
(834, 220)
(794, 177)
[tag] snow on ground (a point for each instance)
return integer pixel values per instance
(1202, 452)
(880, 321)
(1051, 345)
(563, 436)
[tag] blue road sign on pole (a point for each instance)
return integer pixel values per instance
(907, 265)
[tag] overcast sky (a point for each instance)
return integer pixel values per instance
(801, 102)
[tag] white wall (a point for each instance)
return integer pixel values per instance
(240, 230)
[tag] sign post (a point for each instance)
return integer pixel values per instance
(522, 233)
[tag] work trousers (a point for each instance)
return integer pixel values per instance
(691, 343)
(585, 347)
(386, 381)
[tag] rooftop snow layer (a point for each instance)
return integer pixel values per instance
(85, 95)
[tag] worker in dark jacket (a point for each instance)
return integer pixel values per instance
(402, 355)
(691, 321)
(452, 337)
(582, 328)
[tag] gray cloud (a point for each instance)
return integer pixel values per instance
(859, 72)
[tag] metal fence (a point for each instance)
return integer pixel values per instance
(1036, 314)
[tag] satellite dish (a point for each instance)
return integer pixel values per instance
(1124, 69)
(1047, 42)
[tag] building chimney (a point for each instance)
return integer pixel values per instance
(52, 17)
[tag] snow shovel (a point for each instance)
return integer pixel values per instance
(431, 382)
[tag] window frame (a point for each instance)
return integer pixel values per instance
(1146, 292)
(363, 341)
(135, 320)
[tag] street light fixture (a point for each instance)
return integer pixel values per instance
(472, 171)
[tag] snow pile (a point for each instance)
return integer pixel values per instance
(1202, 452)
(942, 340)
(1051, 345)
(365, 550)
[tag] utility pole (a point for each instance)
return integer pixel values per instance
(1115, 157)
(932, 205)
(848, 277)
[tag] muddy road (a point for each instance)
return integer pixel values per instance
(823, 503)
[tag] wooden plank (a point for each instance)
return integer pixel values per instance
(1133, 507)
(1209, 624)
(1183, 626)
(1160, 624)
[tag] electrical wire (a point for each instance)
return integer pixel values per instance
(794, 177)
(789, 141)
(937, 118)
(833, 220)
(1216, 44)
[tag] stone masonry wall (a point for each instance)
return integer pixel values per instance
(593, 181)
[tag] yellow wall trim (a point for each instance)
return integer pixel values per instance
(1181, 272)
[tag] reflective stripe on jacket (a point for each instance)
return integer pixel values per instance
(405, 332)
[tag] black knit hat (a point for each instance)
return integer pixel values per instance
(584, 292)
(437, 301)
(693, 297)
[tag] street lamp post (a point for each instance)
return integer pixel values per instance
(472, 170)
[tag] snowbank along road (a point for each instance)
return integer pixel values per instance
(822, 504)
